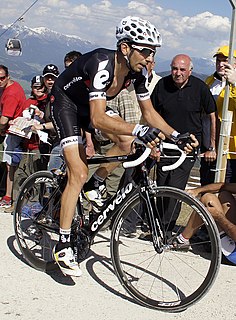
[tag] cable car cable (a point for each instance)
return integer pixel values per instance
(20, 17)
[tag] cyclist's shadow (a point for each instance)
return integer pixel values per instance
(51, 269)
(106, 262)
(92, 258)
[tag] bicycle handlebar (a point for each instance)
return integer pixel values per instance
(147, 151)
(181, 159)
(136, 162)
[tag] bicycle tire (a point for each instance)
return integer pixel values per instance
(37, 232)
(172, 280)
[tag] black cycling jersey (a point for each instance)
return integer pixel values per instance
(88, 78)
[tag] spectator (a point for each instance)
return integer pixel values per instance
(181, 98)
(11, 107)
(70, 57)
(31, 160)
(222, 207)
(50, 74)
(38, 98)
(216, 83)
(153, 78)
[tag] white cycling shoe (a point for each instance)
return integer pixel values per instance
(66, 261)
(97, 197)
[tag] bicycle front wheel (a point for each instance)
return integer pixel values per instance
(36, 219)
(169, 279)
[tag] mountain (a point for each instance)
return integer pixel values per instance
(41, 46)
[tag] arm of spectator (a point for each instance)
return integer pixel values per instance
(42, 126)
(3, 124)
(230, 73)
(210, 155)
(90, 151)
(210, 188)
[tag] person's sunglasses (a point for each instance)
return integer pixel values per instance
(146, 51)
(3, 78)
(38, 88)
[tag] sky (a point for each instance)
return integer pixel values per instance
(193, 27)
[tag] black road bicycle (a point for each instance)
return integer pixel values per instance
(153, 271)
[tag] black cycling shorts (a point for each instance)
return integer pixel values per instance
(66, 118)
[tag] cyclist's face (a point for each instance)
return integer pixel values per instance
(139, 56)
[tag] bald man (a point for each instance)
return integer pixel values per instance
(181, 99)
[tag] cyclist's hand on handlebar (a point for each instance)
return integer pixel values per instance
(156, 153)
(150, 136)
(186, 142)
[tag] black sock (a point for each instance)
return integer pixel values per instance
(64, 239)
(94, 182)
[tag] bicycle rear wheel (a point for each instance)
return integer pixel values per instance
(173, 279)
(36, 219)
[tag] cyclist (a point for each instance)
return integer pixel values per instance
(79, 97)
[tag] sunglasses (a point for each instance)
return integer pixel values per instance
(3, 78)
(146, 51)
(38, 88)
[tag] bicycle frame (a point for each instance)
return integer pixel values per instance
(123, 194)
(126, 191)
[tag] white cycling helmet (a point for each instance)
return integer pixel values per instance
(137, 30)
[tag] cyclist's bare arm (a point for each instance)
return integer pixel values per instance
(153, 118)
(102, 121)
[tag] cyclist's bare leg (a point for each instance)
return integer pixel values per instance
(77, 174)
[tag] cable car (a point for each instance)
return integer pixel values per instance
(13, 47)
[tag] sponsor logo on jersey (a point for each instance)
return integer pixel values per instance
(97, 95)
(74, 80)
(143, 96)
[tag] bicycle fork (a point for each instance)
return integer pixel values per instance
(157, 233)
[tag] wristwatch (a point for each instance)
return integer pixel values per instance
(211, 149)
